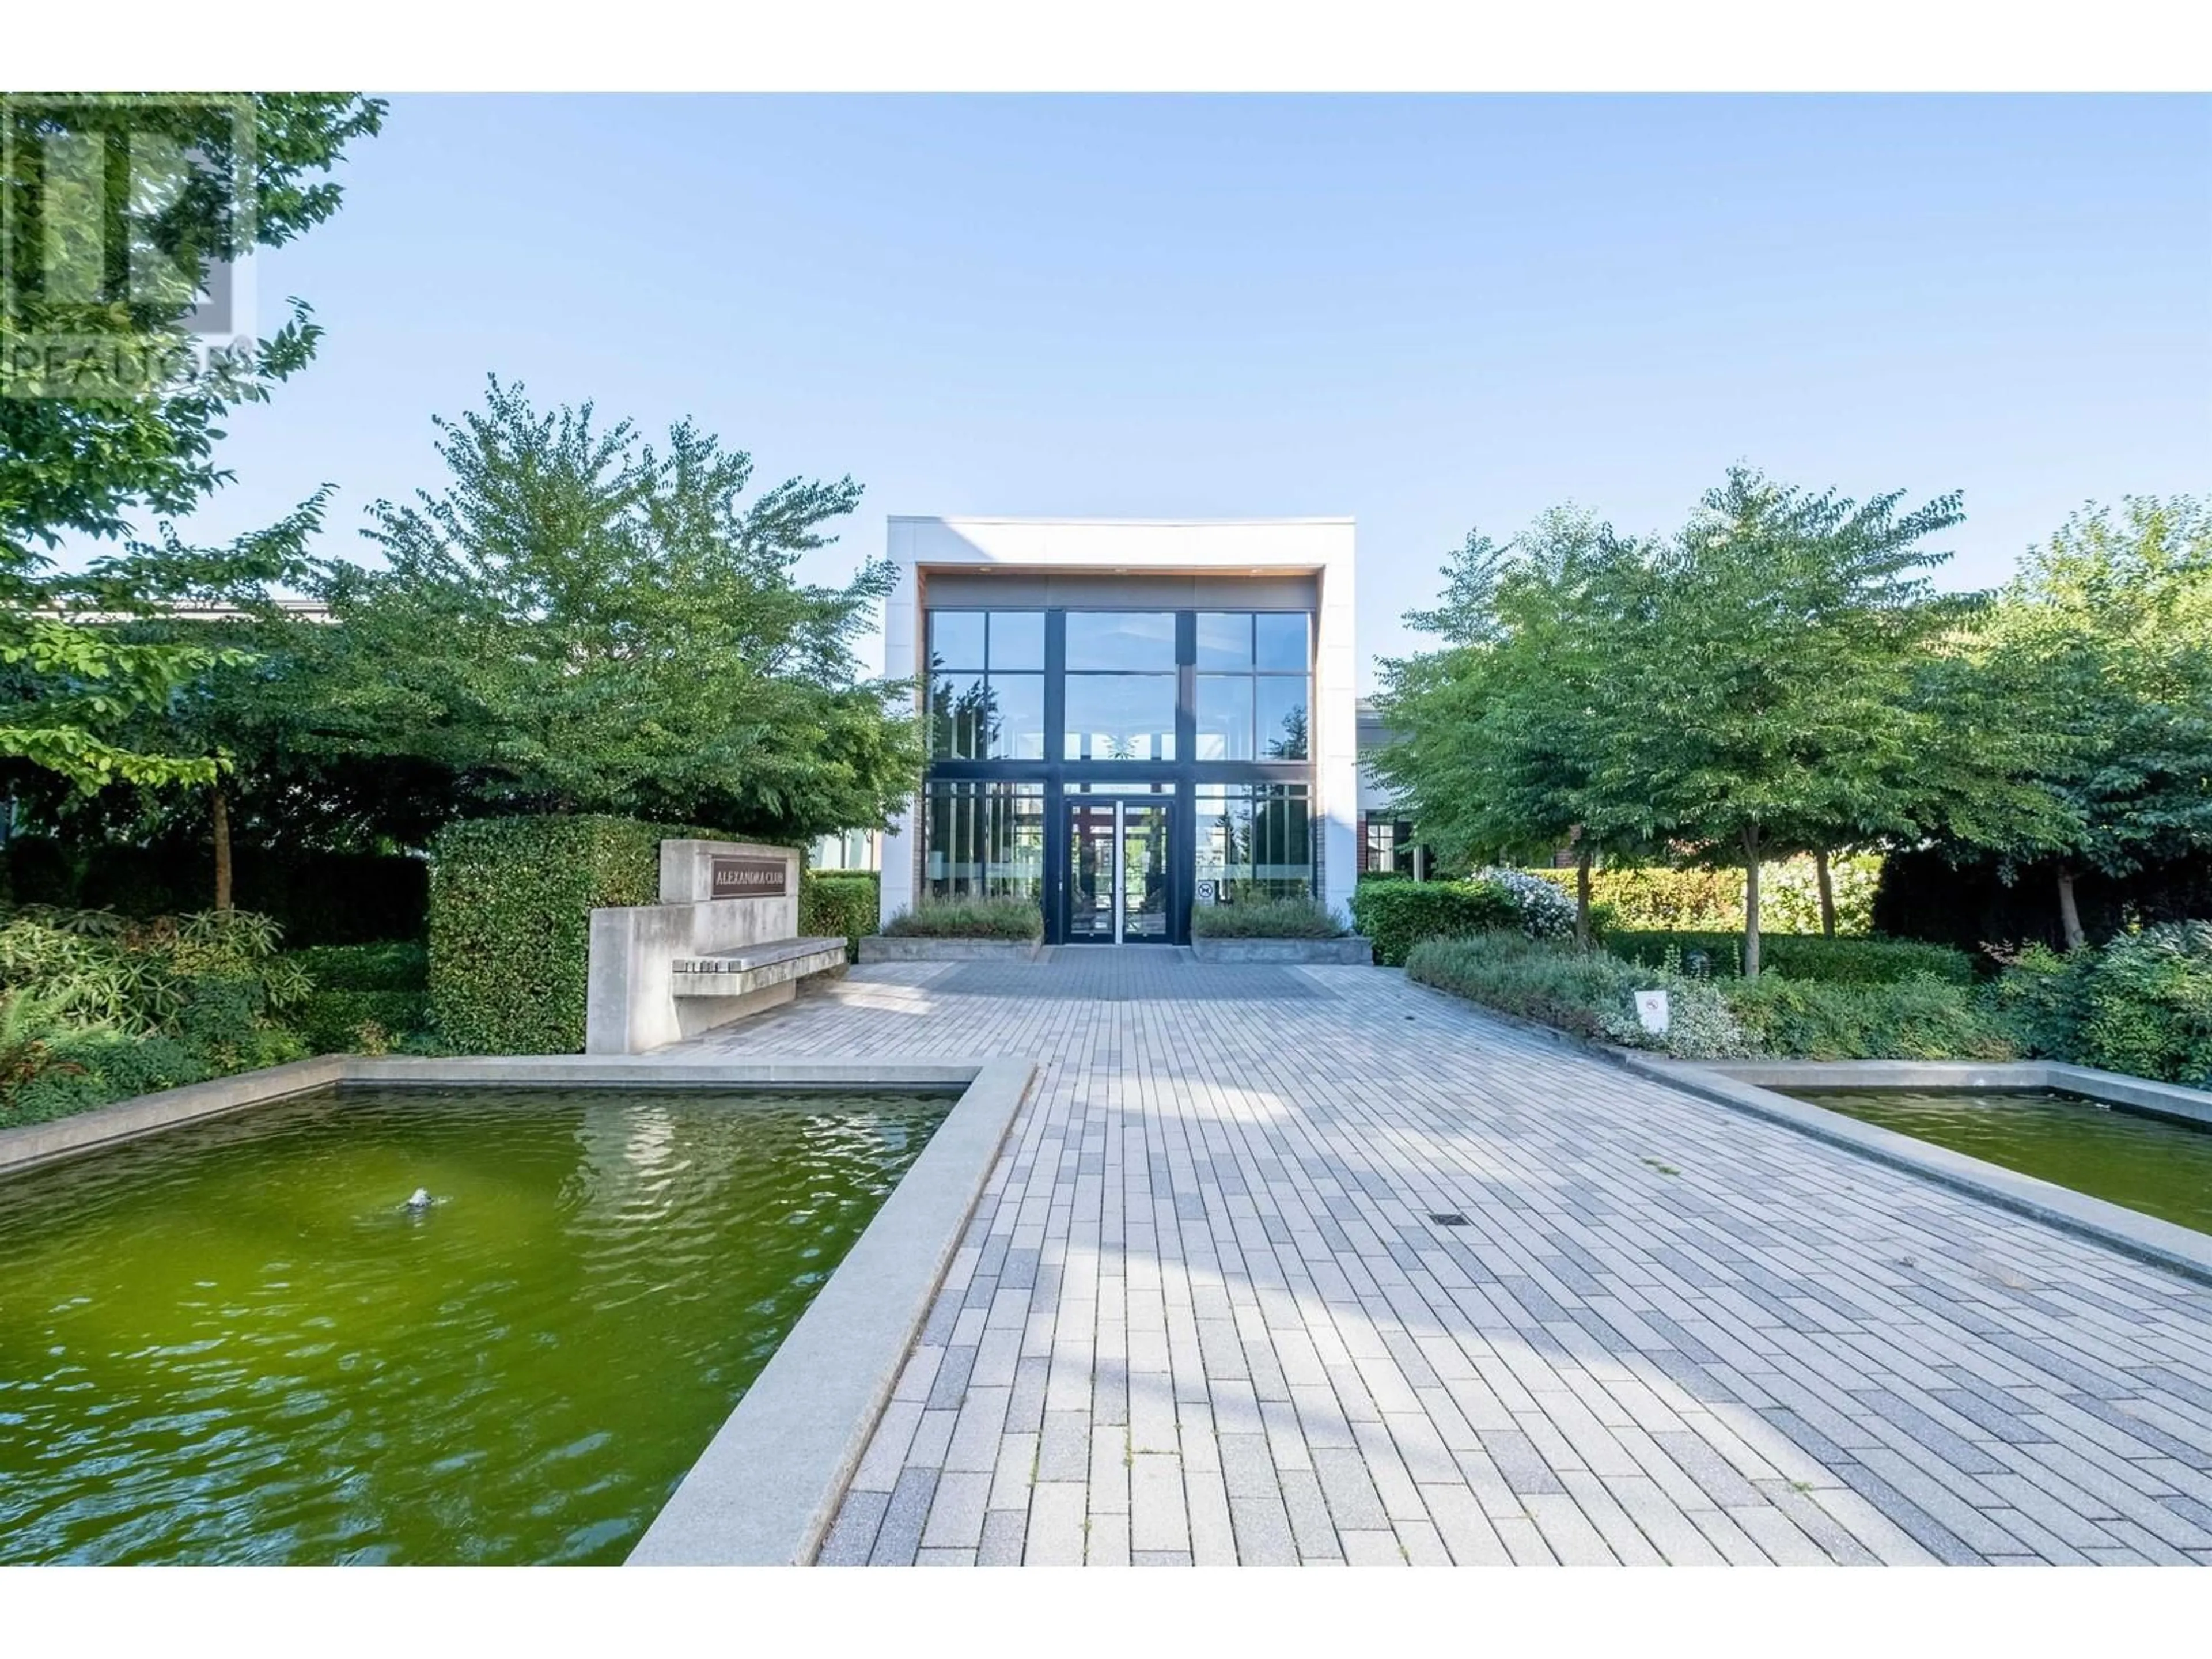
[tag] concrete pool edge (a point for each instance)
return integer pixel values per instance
(29, 1145)
(1739, 1085)
(766, 1489)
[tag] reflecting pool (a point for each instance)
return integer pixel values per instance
(2149, 1163)
(239, 1342)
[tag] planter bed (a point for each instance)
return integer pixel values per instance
(878, 947)
(1351, 952)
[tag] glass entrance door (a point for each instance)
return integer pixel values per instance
(1117, 871)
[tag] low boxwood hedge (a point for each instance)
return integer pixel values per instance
(1800, 956)
(1592, 993)
(847, 902)
(1399, 914)
(1920, 1018)
(511, 903)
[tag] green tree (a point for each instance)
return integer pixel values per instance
(578, 621)
(80, 462)
(1787, 683)
(1495, 750)
(2103, 645)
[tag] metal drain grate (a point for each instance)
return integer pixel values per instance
(1447, 1217)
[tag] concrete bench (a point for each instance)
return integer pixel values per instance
(754, 966)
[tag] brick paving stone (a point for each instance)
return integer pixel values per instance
(1203, 1260)
(1003, 1533)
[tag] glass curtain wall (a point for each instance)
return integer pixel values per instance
(986, 685)
(1255, 842)
(1033, 715)
(984, 841)
(1254, 674)
(1121, 686)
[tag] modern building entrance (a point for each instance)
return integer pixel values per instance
(1118, 864)
(1126, 723)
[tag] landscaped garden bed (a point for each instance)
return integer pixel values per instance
(958, 931)
(1288, 930)
(2142, 1005)
(98, 1007)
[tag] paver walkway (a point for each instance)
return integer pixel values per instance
(1215, 1307)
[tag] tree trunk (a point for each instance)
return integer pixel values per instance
(1750, 902)
(2070, 914)
(1583, 898)
(1827, 894)
(219, 816)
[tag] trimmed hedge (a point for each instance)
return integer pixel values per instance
(996, 918)
(847, 902)
(1661, 897)
(1804, 957)
(1918, 1018)
(1399, 914)
(1290, 918)
(511, 903)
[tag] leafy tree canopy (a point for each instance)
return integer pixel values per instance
(582, 621)
(81, 463)
(2103, 645)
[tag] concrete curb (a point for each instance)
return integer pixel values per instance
(766, 1490)
(1735, 1083)
(2135, 1094)
(2181, 1249)
(767, 1487)
(878, 948)
(32, 1143)
(1346, 952)
(126, 1120)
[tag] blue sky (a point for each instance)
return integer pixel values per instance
(1429, 314)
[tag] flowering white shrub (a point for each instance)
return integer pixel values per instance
(1545, 911)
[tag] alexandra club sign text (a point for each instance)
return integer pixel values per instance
(730, 877)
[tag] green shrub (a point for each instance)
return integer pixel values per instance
(1399, 914)
(999, 918)
(2039, 997)
(1287, 918)
(91, 1068)
(99, 1007)
(847, 902)
(359, 1021)
(1660, 898)
(2146, 1005)
(1587, 993)
(93, 968)
(511, 903)
(1801, 956)
(1922, 1018)
(392, 965)
(366, 997)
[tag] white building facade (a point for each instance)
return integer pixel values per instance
(1126, 719)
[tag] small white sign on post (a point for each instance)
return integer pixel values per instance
(1651, 1010)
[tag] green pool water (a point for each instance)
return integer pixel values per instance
(2160, 1167)
(234, 1342)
